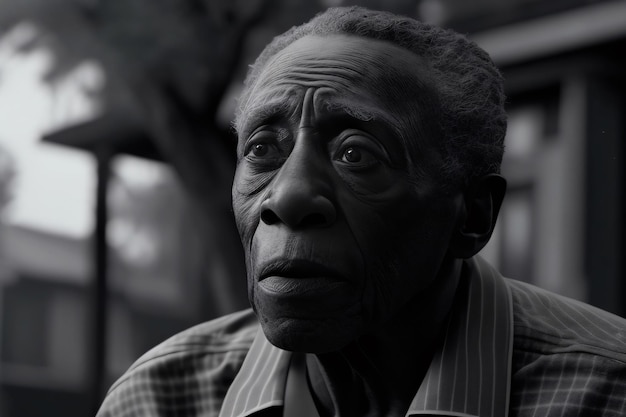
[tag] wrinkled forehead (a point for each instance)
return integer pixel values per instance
(356, 59)
(349, 71)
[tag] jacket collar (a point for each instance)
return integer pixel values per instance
(468, 377)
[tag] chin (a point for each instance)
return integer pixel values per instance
(308, 336)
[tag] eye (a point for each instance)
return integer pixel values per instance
(358, 156)
(260, 149)
(263, 146)
(263, 151)
(352, 155)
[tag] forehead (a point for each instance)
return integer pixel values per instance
(348, 59)
(372, 78)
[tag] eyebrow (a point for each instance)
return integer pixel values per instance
(363, 113)
(287, 105)
(253, 115)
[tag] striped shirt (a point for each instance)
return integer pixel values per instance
(510, 349)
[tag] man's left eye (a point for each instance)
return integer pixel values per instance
(356, 155)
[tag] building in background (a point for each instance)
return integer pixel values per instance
(561, 226)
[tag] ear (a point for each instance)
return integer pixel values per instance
(482, 201)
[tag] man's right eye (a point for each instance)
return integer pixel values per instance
(263, 150)
(260, 149)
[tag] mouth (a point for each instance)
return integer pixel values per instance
(302, 280)
(302, 289)
(298, 269)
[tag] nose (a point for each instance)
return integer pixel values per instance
(301, 193)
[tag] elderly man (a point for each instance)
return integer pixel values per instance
(367, 181)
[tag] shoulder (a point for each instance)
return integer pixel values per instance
(189, 373)
(561, 324)
(567, 355)
(233, 332)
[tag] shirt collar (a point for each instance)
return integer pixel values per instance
(470, 374)
(468, 377)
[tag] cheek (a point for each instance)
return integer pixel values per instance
(245, 218)
(378, 225)
(379, 219)
(250, 180)
(403, 245)
(248, 193)
(375, 185)
(245, 209)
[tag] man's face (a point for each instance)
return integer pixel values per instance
(336, 195)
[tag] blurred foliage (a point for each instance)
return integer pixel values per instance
(190, 47)
(59, 26)
(183, 46)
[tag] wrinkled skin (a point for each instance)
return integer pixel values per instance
(353, 244)
(336, 193)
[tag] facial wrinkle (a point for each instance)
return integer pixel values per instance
(275, 101)
(312, 61)
(332, 75)
(342, 77)
(307, 117)
(314, 72)
(256, 183)
(312, 83)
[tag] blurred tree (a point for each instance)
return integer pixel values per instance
(7, 175)
(7, 178)
(177, 65)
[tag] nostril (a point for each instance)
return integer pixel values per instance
(296, 212)
(314, 219)
(269, 217)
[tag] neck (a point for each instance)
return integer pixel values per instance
(382, 370)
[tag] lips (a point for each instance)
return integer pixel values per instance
(298, 269)
(302, 288)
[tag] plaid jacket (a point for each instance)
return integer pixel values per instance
(510, 349)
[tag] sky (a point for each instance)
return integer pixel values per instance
(54, 185)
